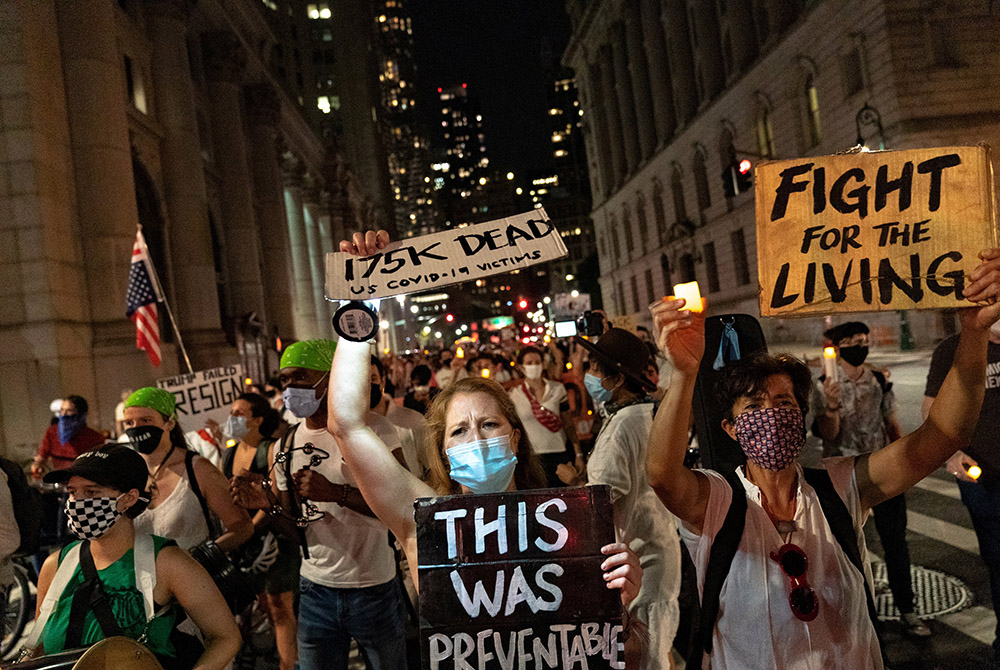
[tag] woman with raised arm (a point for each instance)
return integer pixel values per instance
(793, 586)
(477, 444)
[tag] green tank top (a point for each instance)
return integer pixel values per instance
(118, 583)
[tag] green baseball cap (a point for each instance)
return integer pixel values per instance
(155, 398)
(309, 354)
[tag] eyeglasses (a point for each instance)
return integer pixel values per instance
(794, 563)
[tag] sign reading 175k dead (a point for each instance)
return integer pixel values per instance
(871, 231)
(449, 257)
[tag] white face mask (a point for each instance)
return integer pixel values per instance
(533, 371)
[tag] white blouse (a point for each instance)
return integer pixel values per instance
(756, 627)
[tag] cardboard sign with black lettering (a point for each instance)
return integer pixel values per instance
(203, 395)
(871, 231)
(448, 257)
(514, 580)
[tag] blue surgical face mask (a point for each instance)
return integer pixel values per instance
(70, 425)
(236, 427)
(596, 390)
(301, 402)
(484, 466)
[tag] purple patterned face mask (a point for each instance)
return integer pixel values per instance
(771, 438)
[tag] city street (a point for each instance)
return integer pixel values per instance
(941, 539)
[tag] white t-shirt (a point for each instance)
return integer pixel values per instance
(411, 427)
(756, 627)
(543, 440)
(641, 520)
(346, 549)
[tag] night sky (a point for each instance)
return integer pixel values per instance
(496, 47)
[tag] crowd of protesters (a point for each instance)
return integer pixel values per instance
(307, 492)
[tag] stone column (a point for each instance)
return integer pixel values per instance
(626, 101)
(660, 83)
(264, 112)
(678, 42)
(326, 242)
(310, 210)
(303, 305)
(639, 71)
(602, 131)
(195, 305)
(612, 114)
(224, 65)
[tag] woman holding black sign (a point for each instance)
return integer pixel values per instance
(477, 444)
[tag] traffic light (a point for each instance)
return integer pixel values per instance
(737, 177)
(449, 318)
(523, 304)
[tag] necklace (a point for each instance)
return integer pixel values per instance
(784, 527)
(153, 488)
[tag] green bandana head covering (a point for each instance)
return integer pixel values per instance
(154, 398)
(309, 354)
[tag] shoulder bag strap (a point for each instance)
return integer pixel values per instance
(89, 596)
(287, 442)
(842, 525)
(193, 482)
(63, 574)
(144, 557)
(720, 559)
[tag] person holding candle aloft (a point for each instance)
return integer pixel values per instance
(794, 592)
(855, 412)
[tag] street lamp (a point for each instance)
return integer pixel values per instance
(869, 116)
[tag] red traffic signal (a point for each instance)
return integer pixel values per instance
(449, 317)
(523, 304)
(745, 166)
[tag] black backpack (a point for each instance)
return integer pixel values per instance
(727, 541)
(27, 502)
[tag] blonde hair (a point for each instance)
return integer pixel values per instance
(528, 473)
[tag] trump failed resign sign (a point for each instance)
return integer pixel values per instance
(514, 580)
(445, 258)
(872, 231)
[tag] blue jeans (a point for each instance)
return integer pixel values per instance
(330, 617)
(983, 501)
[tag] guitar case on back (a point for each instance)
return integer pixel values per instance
(719, 451)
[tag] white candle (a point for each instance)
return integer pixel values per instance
(692, 296)
(830, 363)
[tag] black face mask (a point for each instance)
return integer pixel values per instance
(854, 355)
(144, 439)
(376, 397)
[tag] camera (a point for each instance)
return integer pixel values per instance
(590, 324)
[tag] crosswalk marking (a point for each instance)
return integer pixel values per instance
(943, 531)
(940, 486)
(977, 622)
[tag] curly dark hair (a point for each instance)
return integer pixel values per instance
(747, 376)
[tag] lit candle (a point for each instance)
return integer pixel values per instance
(485, 373)
(460, 353)
(830, 363)
(974, 471)
(692, 296)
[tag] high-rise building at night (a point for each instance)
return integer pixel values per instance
(678, 94)
(407, 146)
(462, 167)
(242, 145)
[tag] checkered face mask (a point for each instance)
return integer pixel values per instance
(90, 518)
(771, 438)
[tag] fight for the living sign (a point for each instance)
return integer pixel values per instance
(871, 231)
(444, 258)
(514, 580)
(203, 395)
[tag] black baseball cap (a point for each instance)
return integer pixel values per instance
(622, 351)
(113, 464)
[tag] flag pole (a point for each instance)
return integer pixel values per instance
(166, 305)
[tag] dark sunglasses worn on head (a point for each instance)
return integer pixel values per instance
(794, 563)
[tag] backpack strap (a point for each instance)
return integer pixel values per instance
(193, 483)
(720, 559)
(287, 442)
(64, 573)
(89, 596)
(842, 525)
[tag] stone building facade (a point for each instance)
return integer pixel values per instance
(677, 92)
(168, 114)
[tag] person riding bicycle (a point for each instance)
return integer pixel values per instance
(115, 581)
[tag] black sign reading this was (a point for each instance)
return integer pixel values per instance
(513, 580)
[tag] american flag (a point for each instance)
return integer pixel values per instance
(140, 301)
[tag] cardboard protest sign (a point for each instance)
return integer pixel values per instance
(514, 580)
(204, 395)
(448, 257)
(871, 231)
